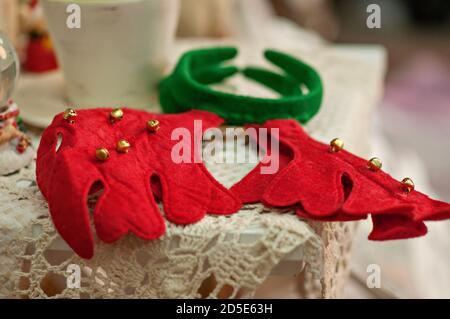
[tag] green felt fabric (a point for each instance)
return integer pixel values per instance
(188, 87)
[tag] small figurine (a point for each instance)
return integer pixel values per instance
(15, 150)
(39, 54)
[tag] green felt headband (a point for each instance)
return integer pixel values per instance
(187, 87)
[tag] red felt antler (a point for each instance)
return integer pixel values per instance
(337, 187)
(66, 176)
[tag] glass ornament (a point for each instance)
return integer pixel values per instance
(9, 69)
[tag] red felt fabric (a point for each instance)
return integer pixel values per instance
(337, 187)
(66, 177)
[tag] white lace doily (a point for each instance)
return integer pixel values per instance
(213, 258)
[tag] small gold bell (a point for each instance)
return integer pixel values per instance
(336, 145)
(122, 146)
(102, 154)
(70, 115)
(374, 164)
(408, 185)
(153, 125)
(116, 115)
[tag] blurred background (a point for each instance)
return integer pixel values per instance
(412, 124)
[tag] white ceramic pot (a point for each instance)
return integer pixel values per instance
(119, 52)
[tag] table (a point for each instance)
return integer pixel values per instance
(219, 256)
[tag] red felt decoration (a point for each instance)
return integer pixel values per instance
(337, 187)
(67, 176)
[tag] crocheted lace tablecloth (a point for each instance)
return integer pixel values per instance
(219, 256)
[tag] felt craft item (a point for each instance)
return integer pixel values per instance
(187, 87)
(337, 186)
(93, 157)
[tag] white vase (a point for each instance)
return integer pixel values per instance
(117, 54)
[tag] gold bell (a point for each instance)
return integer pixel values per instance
(102, 154)
(70, 115)
(408, 185)
(116, 115)
(336, 145)
(374, 164)
(122, 146)
(153, 125)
